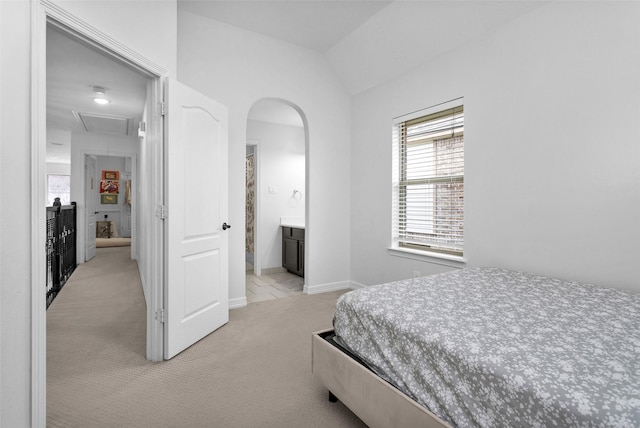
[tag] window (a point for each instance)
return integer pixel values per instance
(58, 186)
(428, 185)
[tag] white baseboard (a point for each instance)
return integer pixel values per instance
(356, 285)
(325, 288)
(238, 302)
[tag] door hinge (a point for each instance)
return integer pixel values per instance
(162, 212)
(163, 108)
(161, 315)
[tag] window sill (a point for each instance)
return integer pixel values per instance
(430, 257)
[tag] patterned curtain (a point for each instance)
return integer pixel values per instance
(251, 184)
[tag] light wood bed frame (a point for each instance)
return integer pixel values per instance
(372, 399)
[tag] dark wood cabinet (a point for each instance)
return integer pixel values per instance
(293, 250)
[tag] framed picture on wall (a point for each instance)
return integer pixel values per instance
(111, 175)
(108, 199)
(109, 186)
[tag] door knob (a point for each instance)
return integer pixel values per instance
(225, 226)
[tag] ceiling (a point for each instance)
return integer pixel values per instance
(317, 25)
(73, 68)
(367, 42)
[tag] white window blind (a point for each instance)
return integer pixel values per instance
(429, 181)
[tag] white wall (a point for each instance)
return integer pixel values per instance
(15, 190)
(552, 127)
(238, 68)
(58, 168)
(282, 167)
(141, 32)
(148, 27)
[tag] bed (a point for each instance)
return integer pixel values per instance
(484, 347)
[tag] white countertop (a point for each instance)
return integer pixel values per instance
(296, 222)
(295, 226)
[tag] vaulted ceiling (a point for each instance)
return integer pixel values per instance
(367, 42)
(317, 25)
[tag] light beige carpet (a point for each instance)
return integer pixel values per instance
(253, 372)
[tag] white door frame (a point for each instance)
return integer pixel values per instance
(88, 194)
(77, 168)
(44, 11)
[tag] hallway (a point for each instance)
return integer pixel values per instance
(96, 332)
(112, 279)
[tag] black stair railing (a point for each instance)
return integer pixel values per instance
(60, 247)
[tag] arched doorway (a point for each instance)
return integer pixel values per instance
(276, 193)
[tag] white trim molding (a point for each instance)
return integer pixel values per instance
(325, 288)
(101, 41)
(356, 285)
(38, 217)
(238, 302)
(424, 256)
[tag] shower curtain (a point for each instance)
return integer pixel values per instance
(250, 205)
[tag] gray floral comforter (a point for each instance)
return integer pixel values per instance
(495, 348)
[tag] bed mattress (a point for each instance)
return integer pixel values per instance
(496, 348)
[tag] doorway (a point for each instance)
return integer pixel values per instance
(80, 67)
(45, 15)
(90, 138)
(276, 188)
(111, 203)
(171, 277)
(95, 107)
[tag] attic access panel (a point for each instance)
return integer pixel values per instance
(103, 123)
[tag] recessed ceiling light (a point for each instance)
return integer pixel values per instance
(101, 100)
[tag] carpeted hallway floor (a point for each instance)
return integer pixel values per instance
(254, 371)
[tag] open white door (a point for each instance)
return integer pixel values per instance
(91, 202)
(197, 272)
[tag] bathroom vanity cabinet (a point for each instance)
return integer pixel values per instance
(293, 250)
